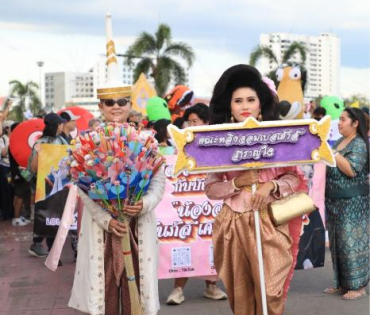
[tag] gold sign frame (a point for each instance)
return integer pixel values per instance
(185, 136)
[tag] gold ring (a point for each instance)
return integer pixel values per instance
(249, 187)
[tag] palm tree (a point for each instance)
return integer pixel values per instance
(25, 92)
(156, 53)
(265, 51)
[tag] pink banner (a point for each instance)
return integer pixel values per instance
(184, 226)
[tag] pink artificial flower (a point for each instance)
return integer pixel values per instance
(270, 84)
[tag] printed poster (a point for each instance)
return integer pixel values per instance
(184, 226)
(51, 189)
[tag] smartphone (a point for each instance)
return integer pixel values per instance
(6, 103)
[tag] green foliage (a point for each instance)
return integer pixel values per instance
(262, 51)
(156, 53)
(364, 101)
(266, 52)
(24, 93)
(294, 48)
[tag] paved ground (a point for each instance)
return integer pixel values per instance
(28, 288)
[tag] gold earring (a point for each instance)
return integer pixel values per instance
(232, 119)
(259, 117)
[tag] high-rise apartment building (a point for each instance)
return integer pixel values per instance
(322, 62)
(62, 87)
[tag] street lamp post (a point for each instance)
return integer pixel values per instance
(40, 65)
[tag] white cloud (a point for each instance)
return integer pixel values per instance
(83, 8)
(355, 81)
(23, 26)
(59, 52)
(282, 15)
(210, 63)
(288, 15)
(216, 49)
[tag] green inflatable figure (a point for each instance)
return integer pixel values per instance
(156, 108)
(334, 106)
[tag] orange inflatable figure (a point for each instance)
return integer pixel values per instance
(178, 99)
(290, 93)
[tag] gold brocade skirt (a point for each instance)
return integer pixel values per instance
(236, 261)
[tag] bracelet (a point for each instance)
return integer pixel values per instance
(233, 183)
(336, 153)
(275, 186)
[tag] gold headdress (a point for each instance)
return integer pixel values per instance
(113, 88)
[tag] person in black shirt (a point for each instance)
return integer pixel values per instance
(69, 126)
(22, 190)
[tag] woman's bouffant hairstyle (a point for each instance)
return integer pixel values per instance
(237, 77)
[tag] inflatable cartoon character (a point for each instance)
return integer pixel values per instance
(290, 93)
(23, 138)
(178, 99)
(334, 106)
(156, 108)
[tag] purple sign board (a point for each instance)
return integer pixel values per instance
(251, 145)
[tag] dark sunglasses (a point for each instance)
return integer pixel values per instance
(121, 102)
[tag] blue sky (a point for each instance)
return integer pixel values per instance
(70, 33)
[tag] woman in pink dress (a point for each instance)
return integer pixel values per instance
(241, 93)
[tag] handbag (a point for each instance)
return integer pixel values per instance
(292, 206)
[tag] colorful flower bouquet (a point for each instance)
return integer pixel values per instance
(114, 165)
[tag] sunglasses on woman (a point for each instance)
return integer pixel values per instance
(121, 102)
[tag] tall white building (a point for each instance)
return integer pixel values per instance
(322, 62)
(62, 87)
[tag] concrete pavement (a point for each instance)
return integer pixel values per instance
(27, 287)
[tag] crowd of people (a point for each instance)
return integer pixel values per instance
(240, 93)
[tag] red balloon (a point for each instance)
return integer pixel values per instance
(83, 121)
(23, 138)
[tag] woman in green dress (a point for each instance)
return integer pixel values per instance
(347, 207)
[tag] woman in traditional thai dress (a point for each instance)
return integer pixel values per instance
(241, 93)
